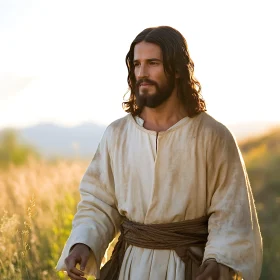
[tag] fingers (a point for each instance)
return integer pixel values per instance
(71, 261)
(200, 270)
(83, 262)
(75, 273)
(205, 275)
(79, 255)
(75, 276)
(209, 271)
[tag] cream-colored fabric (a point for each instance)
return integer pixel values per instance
(191, 170)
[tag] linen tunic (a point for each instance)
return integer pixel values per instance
(191, 170)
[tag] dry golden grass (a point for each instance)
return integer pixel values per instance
(38, 201)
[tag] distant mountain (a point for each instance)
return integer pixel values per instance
(52, 140)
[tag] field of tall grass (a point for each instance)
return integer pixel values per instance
(38, 201)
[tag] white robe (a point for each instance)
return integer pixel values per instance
(190, 170)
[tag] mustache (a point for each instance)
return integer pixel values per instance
(148, 81)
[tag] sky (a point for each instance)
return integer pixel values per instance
(64, 61)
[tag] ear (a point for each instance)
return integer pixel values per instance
(177, 75)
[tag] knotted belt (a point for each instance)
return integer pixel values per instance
(178, 236)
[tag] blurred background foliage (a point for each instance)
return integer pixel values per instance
(12, 151)
(262, 158)
(39, 199)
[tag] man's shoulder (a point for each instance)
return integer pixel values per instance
(119, 122)
(117, 126)
(214, 128)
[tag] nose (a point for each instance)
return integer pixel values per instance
(142, 72)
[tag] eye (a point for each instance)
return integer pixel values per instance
(154, 63)
(136, 64)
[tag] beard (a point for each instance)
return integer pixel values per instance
(153, 100)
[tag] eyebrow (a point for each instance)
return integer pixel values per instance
(150, 59)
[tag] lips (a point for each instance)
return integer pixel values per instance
(145, 84)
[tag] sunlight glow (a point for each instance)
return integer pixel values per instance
(63, 61)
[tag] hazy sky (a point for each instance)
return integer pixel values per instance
(63, 61)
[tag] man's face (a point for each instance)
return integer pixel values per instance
(153, 86)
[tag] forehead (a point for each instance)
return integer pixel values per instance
(145, 50)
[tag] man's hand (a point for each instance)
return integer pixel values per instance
(209, 271)
(79, 254)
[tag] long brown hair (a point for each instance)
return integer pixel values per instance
(176, 59)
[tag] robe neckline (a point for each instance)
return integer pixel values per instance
(138, 122)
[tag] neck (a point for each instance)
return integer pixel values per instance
(164, 116)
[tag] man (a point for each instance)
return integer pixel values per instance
(170, 177)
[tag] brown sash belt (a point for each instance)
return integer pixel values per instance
(178, 236)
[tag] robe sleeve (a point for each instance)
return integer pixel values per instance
(234, 236)
(97, 220)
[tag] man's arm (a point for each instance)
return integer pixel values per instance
(97, 219)
(234, 237)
